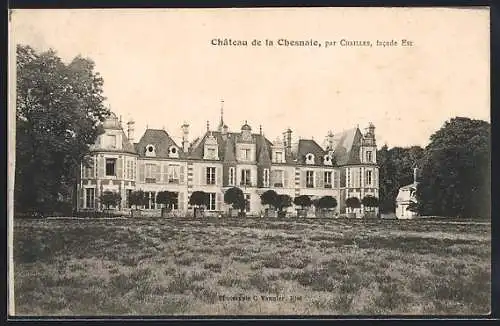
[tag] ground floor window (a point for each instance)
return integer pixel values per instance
(151, 204)
(89, 197)
(211, 202)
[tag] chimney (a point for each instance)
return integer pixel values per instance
(329, 139)
(288, 146)
(130, 131)
(185, 139)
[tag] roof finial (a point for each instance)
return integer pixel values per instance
(208, 125)
(222, 110)
(260, 129)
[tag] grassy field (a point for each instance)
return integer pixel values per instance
(152, 267)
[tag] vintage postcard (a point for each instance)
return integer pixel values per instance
(242, 162)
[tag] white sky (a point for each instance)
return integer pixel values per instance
(160, 69)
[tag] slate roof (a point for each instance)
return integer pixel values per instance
(347, 145)
(227, 146)
(126, 145)
(306, 146)
(160, 140)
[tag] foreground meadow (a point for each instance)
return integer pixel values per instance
(184, 267)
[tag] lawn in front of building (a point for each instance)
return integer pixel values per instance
(247, 266)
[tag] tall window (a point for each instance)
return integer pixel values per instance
(231, 176)
(368, 178)
(245, 154)
(211, 202)
(151, 204)
(173, 173)
(368, 156)
(266, 178)
(89, 170)
(310, 179)
(278, 178)
(328, 179)
(210, 175)
(150, 173)
(130, 170)
(111, 166)
(89, 197)
(245, 177)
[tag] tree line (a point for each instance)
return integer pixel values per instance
(454, 171)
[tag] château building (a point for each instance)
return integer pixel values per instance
(343, 166)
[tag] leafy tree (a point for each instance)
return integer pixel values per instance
(283, 201)
(370, 201)
(199, 198)
(303, 201)
(326, 202)
(456, 171)
(168, 198)
(269, 197)
(396, 170)
(235, 197)
(353, 202)
(58, 110)
(138, 198)
(110, 198)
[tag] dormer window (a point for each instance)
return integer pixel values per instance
(150, 151)
(309, 158)
(211, 148)
(278, 157)
(173, 151)
(327, 160)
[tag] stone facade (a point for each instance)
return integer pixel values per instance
(343, 166)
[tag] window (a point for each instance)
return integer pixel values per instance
(211, 153)
(368, 178)
(245, 177)
(279, 157)
(211, 202)
(247, 202)
(89, 170)
(130, 170)
(129, 193)
(173, 173)
(245, 154)
(231, 176)
(368, 156)
(150, 173)
(310, 179)
(310, 158)
(89, 197)
(111, 167)
(150, 151)
(278, 178)
(328, 179)
(266, 178)
(210, 175)
(112, 141)
(151, 204)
